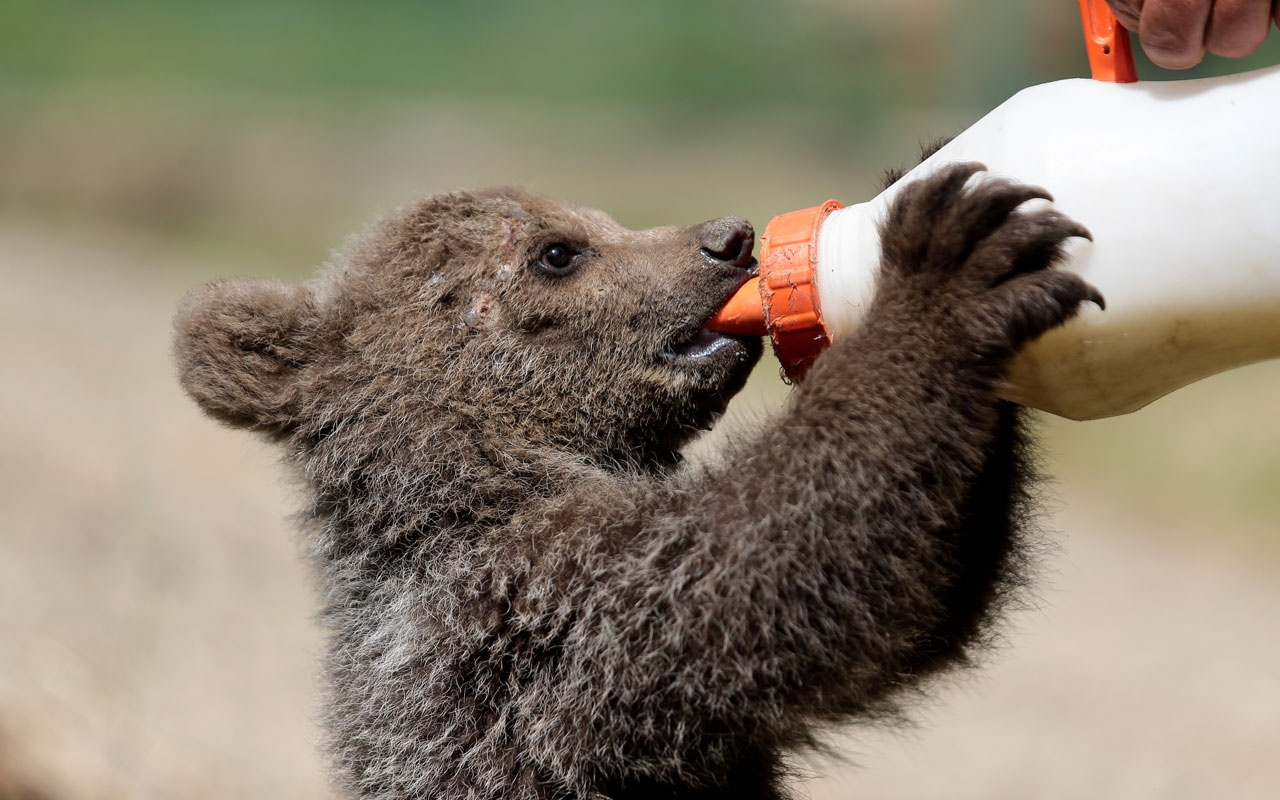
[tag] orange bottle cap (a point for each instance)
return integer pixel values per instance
(783, 301)
(788, 255)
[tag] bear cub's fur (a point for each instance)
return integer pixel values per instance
(529, 593)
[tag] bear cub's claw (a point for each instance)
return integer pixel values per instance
(959, 247)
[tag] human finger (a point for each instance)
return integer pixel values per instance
(1172, 32)
(1237, 27)
(1128, 12)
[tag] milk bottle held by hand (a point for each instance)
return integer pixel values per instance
(1179, 184)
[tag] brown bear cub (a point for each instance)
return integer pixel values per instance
(529, 594)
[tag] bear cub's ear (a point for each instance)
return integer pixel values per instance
(241, 348)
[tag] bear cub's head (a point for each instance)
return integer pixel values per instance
(492, 322)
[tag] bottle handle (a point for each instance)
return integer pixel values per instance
(1110, 56)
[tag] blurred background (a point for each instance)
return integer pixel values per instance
(156, 638)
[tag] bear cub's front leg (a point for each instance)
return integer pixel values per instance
(934, 466)
(967, 280)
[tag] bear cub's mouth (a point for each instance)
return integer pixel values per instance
(702, 344)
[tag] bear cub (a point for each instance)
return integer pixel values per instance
(529, 594)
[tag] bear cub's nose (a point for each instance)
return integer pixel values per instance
(728, 239)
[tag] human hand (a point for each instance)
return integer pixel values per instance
(1176, 33)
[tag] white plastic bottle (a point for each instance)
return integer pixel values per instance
(1179, 183)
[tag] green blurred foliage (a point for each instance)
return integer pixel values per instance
(271, 124)
(708, 56)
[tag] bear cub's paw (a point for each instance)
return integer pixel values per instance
(959, 251)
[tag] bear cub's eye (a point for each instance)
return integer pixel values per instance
(558, 259)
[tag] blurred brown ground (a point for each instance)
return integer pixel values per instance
(156, 622)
